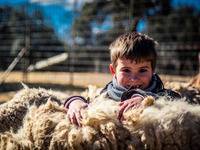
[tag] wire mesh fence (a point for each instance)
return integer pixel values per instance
(86, 42)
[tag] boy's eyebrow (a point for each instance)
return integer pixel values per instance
(125, 67)
(144, 67)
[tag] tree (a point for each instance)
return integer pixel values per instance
(20, 29)
(180, 32)
(125, 15)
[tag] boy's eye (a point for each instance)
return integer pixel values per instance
(126, 70)
(143, 70)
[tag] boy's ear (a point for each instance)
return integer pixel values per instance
(112, 69)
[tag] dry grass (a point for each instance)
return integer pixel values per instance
(77, 79)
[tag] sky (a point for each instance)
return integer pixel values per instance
(59, 13)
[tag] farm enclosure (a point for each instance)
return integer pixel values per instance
(62, 81)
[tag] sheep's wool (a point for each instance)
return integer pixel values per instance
(36, 119)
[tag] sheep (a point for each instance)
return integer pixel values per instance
(41, 123)
(13, 112)
(195, 81)
(189, 90)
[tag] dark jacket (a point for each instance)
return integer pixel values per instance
(119, 93)
(155, 89)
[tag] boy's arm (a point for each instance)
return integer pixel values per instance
(87, 96)
(137, 92)
(164, 92)
(74, 104)
(69, 100)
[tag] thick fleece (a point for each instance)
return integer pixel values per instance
(36, 119)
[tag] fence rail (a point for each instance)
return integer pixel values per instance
(96, 59)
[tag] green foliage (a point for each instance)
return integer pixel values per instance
(125, 15)
(181, 25)
(179, 33)
(178, 29)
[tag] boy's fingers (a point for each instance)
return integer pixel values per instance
(122, 118)
(132, 106)
(137, 106)
(128, 107)
(74, 120)
(74, 114)
(78, 118)
(72, 117)
(69, 116)
(121, 103)
(121, 110)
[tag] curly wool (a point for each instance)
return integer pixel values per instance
(157, 124)
(13, 112)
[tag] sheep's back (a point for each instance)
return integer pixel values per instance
(163, 125)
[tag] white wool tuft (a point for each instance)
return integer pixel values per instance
(39, 121)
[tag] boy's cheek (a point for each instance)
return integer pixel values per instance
(119, 79)
(123, 81)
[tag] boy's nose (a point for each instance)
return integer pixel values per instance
(133, 78)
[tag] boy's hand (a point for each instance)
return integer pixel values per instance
(74, 111)
(134, 102)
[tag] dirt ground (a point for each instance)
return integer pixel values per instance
(61, 81)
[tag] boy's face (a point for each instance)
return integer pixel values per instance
(131, 74)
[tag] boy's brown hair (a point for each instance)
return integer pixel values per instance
(133, 46)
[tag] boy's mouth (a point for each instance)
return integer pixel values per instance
(134, 86)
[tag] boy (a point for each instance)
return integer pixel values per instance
(133, 60)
